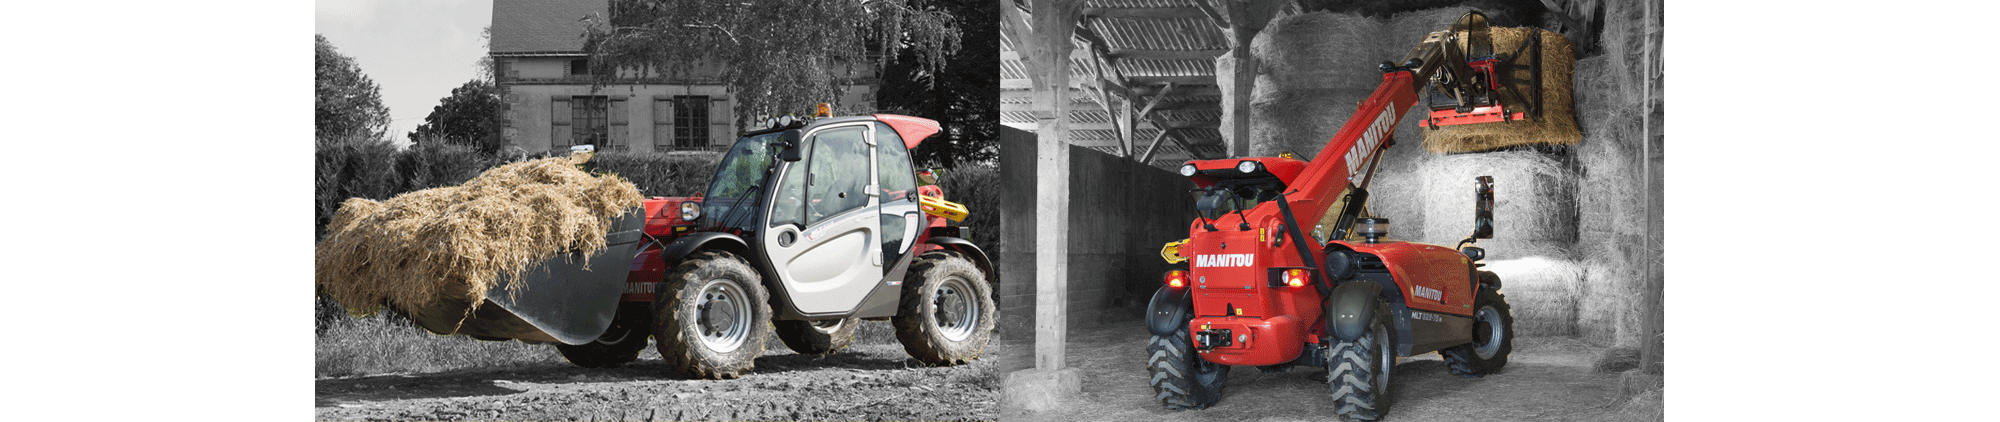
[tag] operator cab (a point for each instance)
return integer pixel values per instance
(1230, 185)
(827, 205)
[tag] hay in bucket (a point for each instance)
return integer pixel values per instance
(458, 242)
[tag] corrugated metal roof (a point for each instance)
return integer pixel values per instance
(1150, 43)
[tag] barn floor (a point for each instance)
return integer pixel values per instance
(1547, 379)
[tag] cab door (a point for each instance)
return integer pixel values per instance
(825, 232)
(902, 219)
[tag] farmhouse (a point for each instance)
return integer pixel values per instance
(543, 75)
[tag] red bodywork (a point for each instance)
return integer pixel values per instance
(1231, 271)
(664, 223)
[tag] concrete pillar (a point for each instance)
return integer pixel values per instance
(1044, 40)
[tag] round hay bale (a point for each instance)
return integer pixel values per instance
(1301, 121)
(1319, 51)
(1313, 71)
(1409, 28)
(457, 242)
(1543, 293)
(1612, 271)
(1534, 201)
(1610, 197)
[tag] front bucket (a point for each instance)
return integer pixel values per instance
(559, 300)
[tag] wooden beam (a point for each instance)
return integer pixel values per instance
(1135, 54)
(1090, 35)
(1214, 17)
(1148, 158)
(1144, 12)
(1652, 302)
(1112, 125)
(1155, 102)
(1247, 18)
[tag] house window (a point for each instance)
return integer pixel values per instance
(579, 67)
(690, 121)
(587, 120)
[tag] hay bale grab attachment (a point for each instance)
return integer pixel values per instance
(1285, 266)
(807, 226)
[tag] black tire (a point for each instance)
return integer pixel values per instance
(945, 314)
(711, 316)
(620, 344)
(817, 337)
(1492, 338)
(1180, 379)
(1358, 371)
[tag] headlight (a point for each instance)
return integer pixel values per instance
(1187, 170)
(690, 211)
(1246, 166)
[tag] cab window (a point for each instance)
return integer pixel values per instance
(837, 174)
(899, 182)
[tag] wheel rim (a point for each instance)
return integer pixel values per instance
(1385, 357)
(957, 311)
(722, 315)
(1486, 332)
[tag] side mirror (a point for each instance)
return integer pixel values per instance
(1482, 215)
(790, 139)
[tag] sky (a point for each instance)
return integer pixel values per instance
(416, 51)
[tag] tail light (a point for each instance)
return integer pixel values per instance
(1289, 277)
(1177, 279)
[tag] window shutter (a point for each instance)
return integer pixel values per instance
(559, 121)
(620, 139)
(718, 121)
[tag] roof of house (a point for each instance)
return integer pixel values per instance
(541, 26)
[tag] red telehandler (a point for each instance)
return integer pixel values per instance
(1258, 291)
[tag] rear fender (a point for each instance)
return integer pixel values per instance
(1350, 308)
(673, 252)
(1168, 311)
(977, 256)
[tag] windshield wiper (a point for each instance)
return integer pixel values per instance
(738, 206)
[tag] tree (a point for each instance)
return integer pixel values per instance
(776, 57)
(964, 97)
(347, 104)
(469, 117)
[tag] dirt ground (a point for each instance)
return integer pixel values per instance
(863, 382)
(1547, 379)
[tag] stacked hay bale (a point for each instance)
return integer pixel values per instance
(1611, 237)
(1534, 230)
(457, 242)
(1315, 69)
